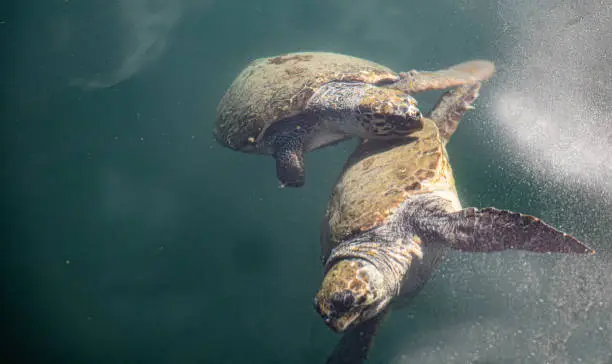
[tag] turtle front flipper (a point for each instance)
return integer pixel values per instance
(364, 110)
(355, 344)
(286, 142)
(452, 106)
(464, 73)
(289, 156)
(290, 165)
(490, 230)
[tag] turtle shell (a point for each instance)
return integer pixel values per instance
(271, 89)
(379, 177)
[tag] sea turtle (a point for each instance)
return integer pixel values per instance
(393, 213)
(294, 103)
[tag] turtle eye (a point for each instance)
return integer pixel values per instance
(343, 301)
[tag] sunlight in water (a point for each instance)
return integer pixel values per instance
(553, 101)
(552, 115)
(147, 25)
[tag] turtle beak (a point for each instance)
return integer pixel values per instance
(413, 111)
(342, 323)
(409, 118)
(331, 319)
(405, 125)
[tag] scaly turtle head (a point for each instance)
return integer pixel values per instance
(353, 291)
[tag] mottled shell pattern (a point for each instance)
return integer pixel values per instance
(271, 89)
(379, 177)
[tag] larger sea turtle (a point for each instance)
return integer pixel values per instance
(290, 104)
(391, 215)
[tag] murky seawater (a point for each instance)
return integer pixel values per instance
(131, 235)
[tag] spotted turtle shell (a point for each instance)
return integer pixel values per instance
(272, 89)
(379, 176)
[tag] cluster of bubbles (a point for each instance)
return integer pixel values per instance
(551, 115)
(553, 102)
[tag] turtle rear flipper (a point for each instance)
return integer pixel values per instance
(464, 73)
(490, 230)
(355, 344)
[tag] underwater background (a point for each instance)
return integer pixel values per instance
(131, 236)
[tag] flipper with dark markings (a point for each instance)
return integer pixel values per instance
(490, 230)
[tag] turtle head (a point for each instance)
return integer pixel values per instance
(353, 291)
(391, 114)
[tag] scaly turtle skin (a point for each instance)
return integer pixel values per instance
(391, 215)
(290, 104)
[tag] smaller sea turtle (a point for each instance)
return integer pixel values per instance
(294, 103)
(391, 216)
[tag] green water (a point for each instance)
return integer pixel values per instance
(131, 236)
